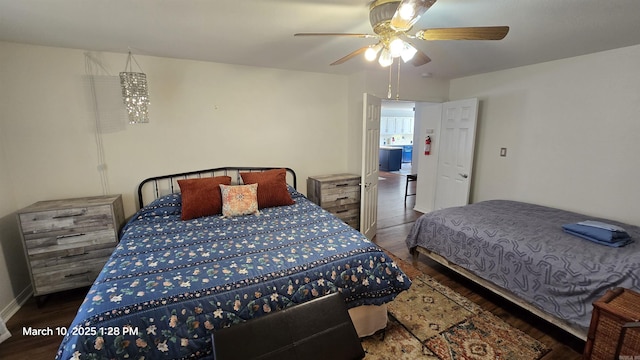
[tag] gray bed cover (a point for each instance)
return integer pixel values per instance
(522, 248)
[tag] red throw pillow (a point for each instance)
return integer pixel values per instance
(201, 197)
(272, 187)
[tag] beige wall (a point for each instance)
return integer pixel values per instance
(572, 130)
(14, 278)
(202, 115)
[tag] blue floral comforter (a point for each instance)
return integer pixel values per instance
(170, 283)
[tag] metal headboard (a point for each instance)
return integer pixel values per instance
(157, 186)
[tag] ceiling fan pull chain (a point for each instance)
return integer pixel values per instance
(389, 92)
(398, 86)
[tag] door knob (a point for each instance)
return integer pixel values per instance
(464, 176)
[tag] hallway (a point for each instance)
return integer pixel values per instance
(392, 210)
(395, 219)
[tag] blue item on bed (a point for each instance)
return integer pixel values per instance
(170, 283)
(599, 232)
(606, 226)
(615, 243)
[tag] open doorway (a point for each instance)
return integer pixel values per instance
(396, 197)
(397, 128)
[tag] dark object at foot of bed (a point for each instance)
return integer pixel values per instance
(317, 329)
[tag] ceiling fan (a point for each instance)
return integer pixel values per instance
(392, 20)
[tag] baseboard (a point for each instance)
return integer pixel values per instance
(422, 210)
(16, 303)
(4, 333)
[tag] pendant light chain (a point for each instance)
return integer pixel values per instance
(389, 91)
(398, 86)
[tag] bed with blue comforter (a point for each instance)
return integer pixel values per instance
(170, 283)
(525, 250)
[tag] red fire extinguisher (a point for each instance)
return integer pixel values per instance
(427, 146)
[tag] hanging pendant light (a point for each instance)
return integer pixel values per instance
(135, 93)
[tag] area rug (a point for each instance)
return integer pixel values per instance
(431, 321)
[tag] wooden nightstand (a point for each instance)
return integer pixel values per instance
(337, 193)
(67, 242)
(615, 326)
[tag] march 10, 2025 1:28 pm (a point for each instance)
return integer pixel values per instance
(80, 330)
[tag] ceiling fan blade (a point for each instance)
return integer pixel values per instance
(337, 34)
(464, 33)
(419, 59)
(408, 13)
(350, 56)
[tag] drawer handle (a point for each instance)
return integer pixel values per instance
(70, 215)
(79, 274)
(342, 198)
(69, 236)
(73, 255)
(340, 185)
(341, 211)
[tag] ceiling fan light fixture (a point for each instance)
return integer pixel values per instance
(391, 21)
(395, 47)
(408, 13)
(372, 52)
(380, 12)
(408, 52)
(385, 58)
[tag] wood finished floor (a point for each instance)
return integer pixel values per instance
(394, 223)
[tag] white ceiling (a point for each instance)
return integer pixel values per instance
(260, 32)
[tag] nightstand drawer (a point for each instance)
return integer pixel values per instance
(94, 217)
(62, 241)
(347, 213)
(350, 182)
(71, 255)
(67, 276)
(343, 196)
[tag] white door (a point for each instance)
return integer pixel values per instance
(455, 158)
(370, 164)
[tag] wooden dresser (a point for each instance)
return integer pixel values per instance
(337, 193)
(67, 242)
